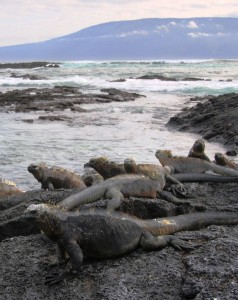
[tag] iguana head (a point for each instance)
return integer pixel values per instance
(46, 217)
(199, 146)
(220, 159)
(37, 170)
(163, 154)
(130, 165)
(96, 162)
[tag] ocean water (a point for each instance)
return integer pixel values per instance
(115, 130)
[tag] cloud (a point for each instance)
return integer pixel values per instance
(199, 34)
(134, 32)
(162, 29)
(204, 34)
(192, 25)
(25, 21)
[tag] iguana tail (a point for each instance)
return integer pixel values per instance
(201, 177)
(85, 196)
(192, 221)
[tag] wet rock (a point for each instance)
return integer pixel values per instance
(214, 118)
(30, 121)
(156, 76)
(164, 78)
(26, 76)
(28, 65)
(118, 80)
(232, 153)
(58, 98)
(54, 118)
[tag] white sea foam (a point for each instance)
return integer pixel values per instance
(116, 130)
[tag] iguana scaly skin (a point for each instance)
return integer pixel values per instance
(197, 150)
(55, 177)
(105, 168)
(158, 172)
(118, 187)
(8, 187)
(152, 171)
(104, 234)
(221, 160)
(182, 164)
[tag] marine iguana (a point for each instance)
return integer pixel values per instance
(182, 164)
(103, 234)
(118, 187)
(221, 160)
(152, 171)
(156, 172)
(8, 187)
(197, 150)
(135, 185)
(105, 168)
(55, 177)
(91, 177)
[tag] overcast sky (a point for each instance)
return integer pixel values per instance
(25, 21)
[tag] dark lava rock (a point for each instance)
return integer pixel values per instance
(54, 118)
(208, 272)
(28, 65)
(232, 153)
(118, 80)
(58, 98)
(164, 78)
(26, 76)
(214, 118)
(156, 76)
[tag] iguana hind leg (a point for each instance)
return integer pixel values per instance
(150, 242)
(115, 198)
(171, 198)
(180, 191)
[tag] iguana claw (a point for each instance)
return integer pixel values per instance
(179, 190)
(182, 245)
(56, 277)
(49, 264)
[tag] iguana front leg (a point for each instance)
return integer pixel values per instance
(47, 186)
(150, 242)
(61, 256)
(76, 259)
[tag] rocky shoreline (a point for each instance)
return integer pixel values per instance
(58, 98)
(213, 118)
(208, 272)
(29, 65)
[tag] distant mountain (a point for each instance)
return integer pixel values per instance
(193, 38)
